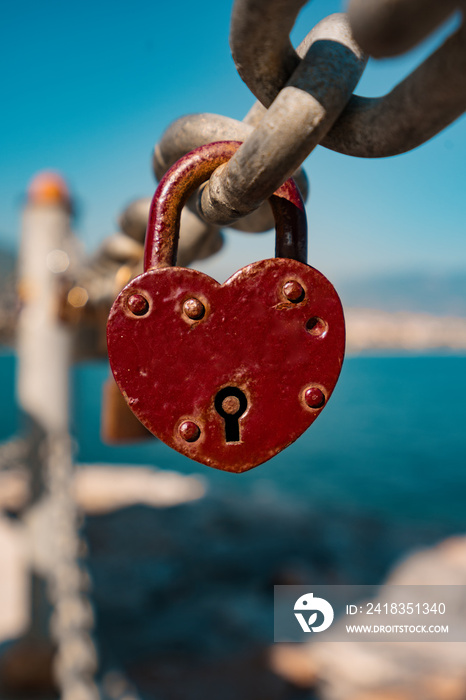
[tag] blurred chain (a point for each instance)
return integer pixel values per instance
(72, 619)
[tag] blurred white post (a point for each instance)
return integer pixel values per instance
(43, 343)
(44, 357)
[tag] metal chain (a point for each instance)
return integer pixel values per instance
(304, 111)
(415, 110)
(194, 130)
(309, 100)
(72, 619)
(296, 122)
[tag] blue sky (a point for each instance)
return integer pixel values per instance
(88, 89)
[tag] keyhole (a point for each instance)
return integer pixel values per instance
(230, 404)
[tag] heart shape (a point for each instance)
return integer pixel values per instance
(283, 356)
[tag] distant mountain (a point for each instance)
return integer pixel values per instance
(438, 294)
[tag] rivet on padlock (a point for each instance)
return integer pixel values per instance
(229, 374)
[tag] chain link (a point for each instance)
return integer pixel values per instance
(296, 122)
(305, 97)
(276, 142)
(418, 108)
(72, 619)
(194, 130)
(413, 112)
(390, 27)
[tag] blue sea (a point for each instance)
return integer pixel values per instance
(391, 443)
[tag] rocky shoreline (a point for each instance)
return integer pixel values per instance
(182, 589)
(185, 600)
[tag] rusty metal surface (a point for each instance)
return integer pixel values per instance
(390, 27)
(185, 177)
(194, 130)
(230, 374)
(86, 296)
(252, 338)
(118, 424)
(299, 118)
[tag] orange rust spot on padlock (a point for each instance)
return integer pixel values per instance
(227, 374)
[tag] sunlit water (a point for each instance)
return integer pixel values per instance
(391, 442)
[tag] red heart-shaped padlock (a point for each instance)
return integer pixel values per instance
(228, 374)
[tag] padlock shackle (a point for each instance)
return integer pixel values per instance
(185, 176)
